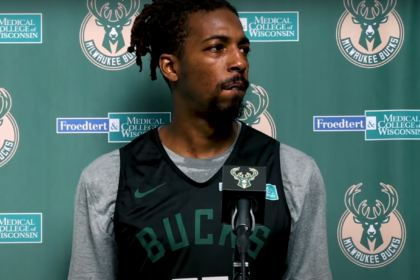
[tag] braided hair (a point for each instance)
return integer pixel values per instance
(162, 27)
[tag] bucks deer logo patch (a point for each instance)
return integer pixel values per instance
(244, 180)
(9, 131)
(370, 33)
(105, 33)
(371, 233)
(256, 112)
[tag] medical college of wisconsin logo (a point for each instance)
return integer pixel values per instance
(9, 132)
(371, 236)
(105, 33)
(255, 112)
(370, 33)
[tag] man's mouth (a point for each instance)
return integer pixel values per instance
(235, 86)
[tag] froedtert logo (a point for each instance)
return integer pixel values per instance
(20, 28)
(9, 131)
(377, 124)
(139, 194)
(370, 33)
(120, 127)
(83, 125)
(371, 235)
(256, 112)
(270, 26)
(21, 228)
(105, 33)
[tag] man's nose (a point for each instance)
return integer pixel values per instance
(238, 61)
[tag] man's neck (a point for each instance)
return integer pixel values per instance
(197, 138)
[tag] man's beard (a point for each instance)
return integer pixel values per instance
(219, 115)
(222, 115)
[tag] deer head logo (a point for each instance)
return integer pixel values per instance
(113, 21)
(5, 104)
(370, 14)
(371, 221)
(244, 181)
(9, 131)
(252, 113)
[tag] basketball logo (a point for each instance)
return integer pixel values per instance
(255, 113)
(370, 33)
(371, 235)
(9, 132)
(105, 34)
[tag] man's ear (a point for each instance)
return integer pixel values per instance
(169, 65)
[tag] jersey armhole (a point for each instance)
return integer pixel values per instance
(121, 182)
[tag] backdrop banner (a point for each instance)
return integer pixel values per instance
(336, 79)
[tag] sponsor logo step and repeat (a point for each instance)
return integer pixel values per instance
(120, 127)
(20, 28)
(377, 124)
(20, 228)
(371, 236)
(105, 31)
(125, 127)
(270, 26)
(370, 33)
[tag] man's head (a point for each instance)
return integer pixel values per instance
(201, 50)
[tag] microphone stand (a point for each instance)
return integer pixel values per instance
(242, 228)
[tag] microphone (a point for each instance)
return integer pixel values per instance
(243, 207)
(243, 182)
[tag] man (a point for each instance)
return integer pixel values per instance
(151, 210)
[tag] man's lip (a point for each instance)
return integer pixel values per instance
(240, 86)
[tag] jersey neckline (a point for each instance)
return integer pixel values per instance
(182, 175)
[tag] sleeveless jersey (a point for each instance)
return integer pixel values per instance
(168, 226)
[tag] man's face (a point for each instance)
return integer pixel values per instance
(213, 74)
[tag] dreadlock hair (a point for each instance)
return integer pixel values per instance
(162, 27)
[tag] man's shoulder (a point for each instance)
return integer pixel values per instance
(294, 157)
(296, 166)
(101, 175)
(301, 176)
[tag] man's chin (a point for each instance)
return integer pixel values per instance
(224, 115)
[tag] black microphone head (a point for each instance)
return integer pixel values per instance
(243, 182)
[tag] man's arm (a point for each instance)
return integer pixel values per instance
(94, 251)
(307, 256)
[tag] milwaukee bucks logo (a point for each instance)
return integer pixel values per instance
(105, 33)
(9, 132)
(370, 33)
(371, 235)
(256, 112)
(244, 181)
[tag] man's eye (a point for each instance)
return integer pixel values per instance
(216, 48)
(246, 50)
